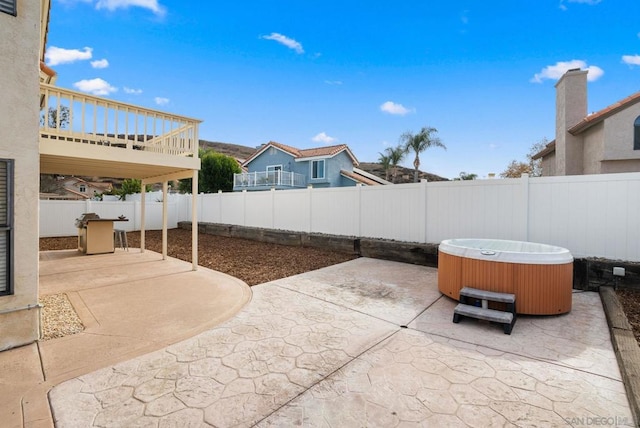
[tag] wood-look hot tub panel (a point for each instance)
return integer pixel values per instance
(542, 289)
(490, 276)
(450, 275)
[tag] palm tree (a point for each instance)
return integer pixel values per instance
(418, 143)
(396, 154)
(385, 161)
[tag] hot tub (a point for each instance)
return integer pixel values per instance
(540, 275)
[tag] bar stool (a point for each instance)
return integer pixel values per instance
(120, 236)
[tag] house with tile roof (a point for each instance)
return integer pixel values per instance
(78, 189)
(278, 166)
(607, 141)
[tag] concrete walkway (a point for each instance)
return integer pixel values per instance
(363, 343)
(130, 303)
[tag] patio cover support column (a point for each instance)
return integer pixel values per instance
(143, 214)
(165, 185)
(164, 179)
(194, 220)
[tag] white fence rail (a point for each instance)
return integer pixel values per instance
(595, 216)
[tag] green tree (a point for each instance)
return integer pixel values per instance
(129, 187)
(216, 173)
(385, 161)
(418, 143)
(396, 154)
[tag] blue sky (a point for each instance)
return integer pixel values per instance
(309, 74)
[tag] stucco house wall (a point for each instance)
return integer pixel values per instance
(19, 113)
(593, 149)
(548, 165)
(619, 134)
(571, 107)
(611, 167)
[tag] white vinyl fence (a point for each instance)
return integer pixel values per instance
(595, 215)
(57, 218)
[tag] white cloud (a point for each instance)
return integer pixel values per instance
(557, 70)
(161, 101)
(112, 5)
(395, 108)
(464, 17)
(56, 55)
(74, 1)
(95, 86)
(631, 59)
(324, 138)
(132, 91)
(588, 2)
(333, 82)
(100, 63)
(286, 41)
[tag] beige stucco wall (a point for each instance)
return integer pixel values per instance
(631, 165)
(571, 108)
(19, 112)
(618, 133)
(548, 165)
(593, 149)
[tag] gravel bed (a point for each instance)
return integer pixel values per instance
(59, 319)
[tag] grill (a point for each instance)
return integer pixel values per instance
(81, 222)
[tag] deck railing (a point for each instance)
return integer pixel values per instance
(268, 179)
(77, 117)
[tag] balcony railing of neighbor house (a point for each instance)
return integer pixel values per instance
(77, 117)
(281, 179)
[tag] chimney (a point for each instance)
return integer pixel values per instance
(571, 108)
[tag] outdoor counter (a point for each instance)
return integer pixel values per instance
(97, 236)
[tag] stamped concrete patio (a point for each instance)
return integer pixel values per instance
(363, 343)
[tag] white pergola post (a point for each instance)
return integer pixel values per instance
(165, 185)
(143, 210)
(194, 220)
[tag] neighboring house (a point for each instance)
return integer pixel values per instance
(279, 166)
(30, 146)
(87, 189)
(606, 141)
(77, 189)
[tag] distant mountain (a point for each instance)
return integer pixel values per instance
(405, 175)
(234, 150)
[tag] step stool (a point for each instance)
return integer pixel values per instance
(120, 236)
(466, 309)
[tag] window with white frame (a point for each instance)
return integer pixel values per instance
(6, 226)
(8, 6)
(83, 188)
(317, 169)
